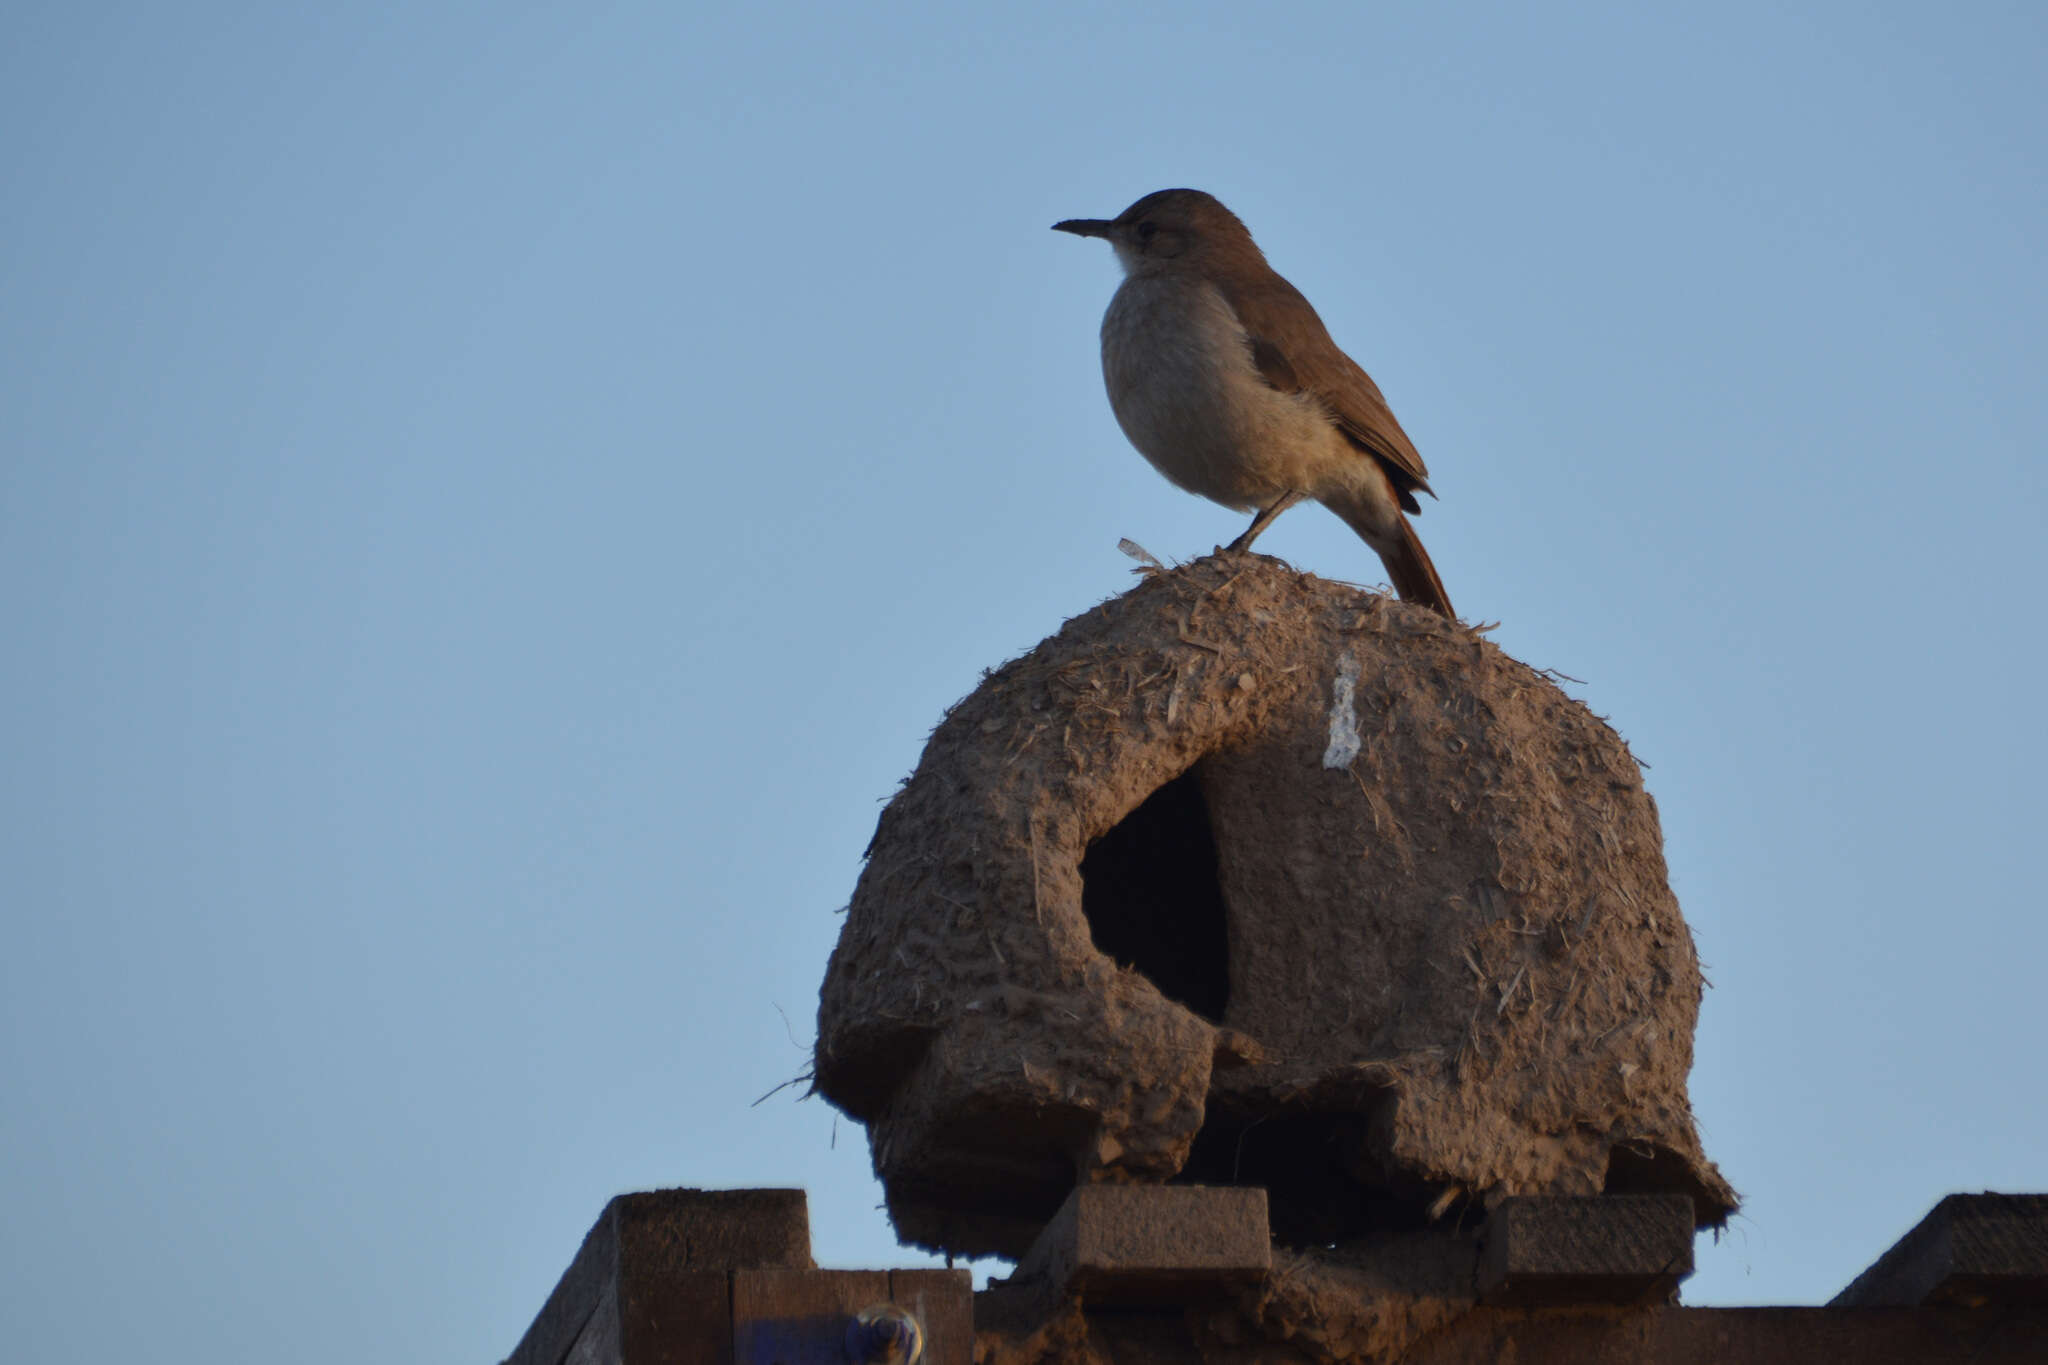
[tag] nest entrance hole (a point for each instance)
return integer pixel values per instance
(1153, 900)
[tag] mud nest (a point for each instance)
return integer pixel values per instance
(1245, 877)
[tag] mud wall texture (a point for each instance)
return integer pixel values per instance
(1249, 877)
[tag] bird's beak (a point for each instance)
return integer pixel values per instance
(1085, 227)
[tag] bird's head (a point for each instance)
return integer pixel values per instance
(1171, 230)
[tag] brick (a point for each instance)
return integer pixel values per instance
(1970, 1250)
(1152, 1245)
(1564, 1249)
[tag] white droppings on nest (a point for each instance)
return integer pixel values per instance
(1344, 740)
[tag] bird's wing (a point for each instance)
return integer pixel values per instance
(1273, 312)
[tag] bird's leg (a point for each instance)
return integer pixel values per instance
(1265, 519)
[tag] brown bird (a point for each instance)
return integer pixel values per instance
(1222, 375)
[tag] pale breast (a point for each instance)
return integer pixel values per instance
(1182, 384)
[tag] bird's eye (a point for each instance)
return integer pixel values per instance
(1146, 230)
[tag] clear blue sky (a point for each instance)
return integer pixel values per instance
(495, 495)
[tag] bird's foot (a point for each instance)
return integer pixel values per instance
(1243, 543)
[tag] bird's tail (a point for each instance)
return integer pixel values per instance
(1413, 575)
(1398, 547)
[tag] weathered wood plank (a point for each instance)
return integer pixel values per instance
(1140, 1245)
(799, 1317)
(1737, 1336)
(1970, 1249)
(646, 1257)
(943, 1301)
(1627, 1249)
